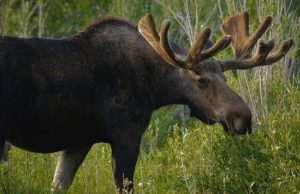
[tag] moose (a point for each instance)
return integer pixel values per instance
(103, 84)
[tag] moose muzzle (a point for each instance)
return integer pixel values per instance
(238, 122)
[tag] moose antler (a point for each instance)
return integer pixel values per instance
(242, 44)
(161, 45)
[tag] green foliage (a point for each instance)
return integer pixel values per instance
(185, 156)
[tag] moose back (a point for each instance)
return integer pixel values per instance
(103, 84)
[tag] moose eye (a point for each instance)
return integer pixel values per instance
(203, 82)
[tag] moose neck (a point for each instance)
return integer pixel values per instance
(170, 84)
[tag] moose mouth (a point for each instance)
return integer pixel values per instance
(201, 116)
(231, 129)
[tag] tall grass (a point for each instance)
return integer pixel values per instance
(186, 157)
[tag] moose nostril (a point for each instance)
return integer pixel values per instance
(242, 125)
(237, 125)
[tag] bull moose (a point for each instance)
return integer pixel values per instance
(103, 84)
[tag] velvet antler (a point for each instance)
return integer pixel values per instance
(161, 45)
(242, 44)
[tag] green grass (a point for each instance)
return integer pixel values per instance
(179, 158)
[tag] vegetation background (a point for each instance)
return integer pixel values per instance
(178, 153)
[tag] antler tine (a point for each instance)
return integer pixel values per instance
(284, 47)
(147, 27)
(196, 53)
(260, 31)
(221, 44)
(160, 43)
(238, 27)
(262, 56)
(164, 42)
(198, 46)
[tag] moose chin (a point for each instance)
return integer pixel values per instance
(103, 84)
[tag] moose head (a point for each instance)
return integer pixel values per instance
(210, 99)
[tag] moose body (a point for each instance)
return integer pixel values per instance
(102, 85)
(95, 87)
(64, 95)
